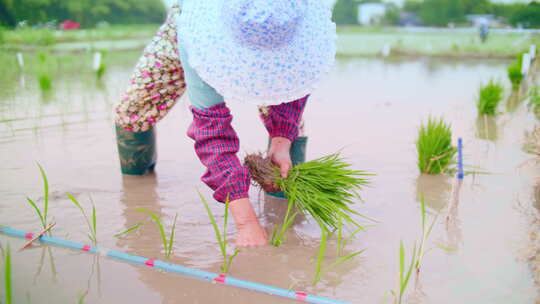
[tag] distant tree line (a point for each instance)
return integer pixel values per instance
(87, 12)
(443, 12)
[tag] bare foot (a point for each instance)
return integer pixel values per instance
(280, 154)
(249, 232)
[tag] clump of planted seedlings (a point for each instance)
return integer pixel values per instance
(490, 97)
(436, 154)
(44, 71)
(6, 254)
(168, 242)
(92, 225)
(42, 213)
(514, 72)
(324, 188)
(221, 237)
(99, 65)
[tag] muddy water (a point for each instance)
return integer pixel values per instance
(369, 108)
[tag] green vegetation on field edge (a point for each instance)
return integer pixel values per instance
(442, 12)
(47, 37)
(371, 41)
(352, 41)
(87, 13)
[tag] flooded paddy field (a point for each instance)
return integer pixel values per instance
(369, 109)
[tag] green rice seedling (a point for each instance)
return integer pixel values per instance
(405, 272)
(44, 71)
(320, 255)
(130, 229)
(42, 214)
(279, 234)
(167, 241)
(92, 225)
(418, 253)
(7, 275)
(434, 147)
(101, 66)
(221, 237)
(426, 231)
(319, 269)
(324, 188)
(82, 297)
(514, 73)
(342, 240)
(101, 70)
(490, 97)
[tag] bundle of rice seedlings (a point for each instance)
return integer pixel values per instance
(324, 188)
(514, 73)
(434, 146)
(490, 97)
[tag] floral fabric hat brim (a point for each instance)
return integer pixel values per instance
(254, 74)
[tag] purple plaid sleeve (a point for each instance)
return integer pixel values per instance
(284, 119)
(216, 145)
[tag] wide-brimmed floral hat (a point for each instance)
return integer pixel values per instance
(259, 51)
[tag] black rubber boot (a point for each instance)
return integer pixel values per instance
(136, 150)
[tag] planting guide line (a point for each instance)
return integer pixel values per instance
(190, 272)
(458, 181)
(460, 173)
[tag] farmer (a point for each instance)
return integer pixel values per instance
(268, 53)
(483, 30)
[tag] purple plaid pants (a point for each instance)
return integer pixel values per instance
(216, 144)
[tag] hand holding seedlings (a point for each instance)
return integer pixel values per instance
(280, 156)
(325, 188)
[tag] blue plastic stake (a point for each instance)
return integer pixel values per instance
(190, 272)
(460, 174)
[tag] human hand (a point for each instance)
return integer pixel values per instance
(249, 232)
(280, 154)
